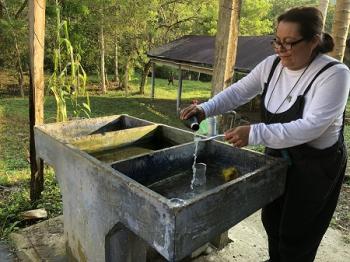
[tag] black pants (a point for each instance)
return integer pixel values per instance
(296, 222)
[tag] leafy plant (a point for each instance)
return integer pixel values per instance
(67, 82)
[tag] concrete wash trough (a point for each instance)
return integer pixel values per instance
(125, 185)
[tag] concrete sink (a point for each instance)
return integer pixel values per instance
(116, 208)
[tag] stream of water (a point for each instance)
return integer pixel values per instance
(196, 140)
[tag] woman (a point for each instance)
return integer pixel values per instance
(304, 93)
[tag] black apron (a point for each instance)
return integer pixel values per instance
(296, 222)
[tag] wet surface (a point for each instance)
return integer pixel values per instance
(119, 153)
(179, 185)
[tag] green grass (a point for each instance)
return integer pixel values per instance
(14, 140)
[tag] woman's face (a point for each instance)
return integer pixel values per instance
(300, 52)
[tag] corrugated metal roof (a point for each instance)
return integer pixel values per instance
(199, 50)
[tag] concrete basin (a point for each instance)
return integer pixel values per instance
(115, 209)
(116, 145)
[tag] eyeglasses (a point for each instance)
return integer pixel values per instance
(287, 46)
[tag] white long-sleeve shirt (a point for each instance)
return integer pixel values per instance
(324, 103)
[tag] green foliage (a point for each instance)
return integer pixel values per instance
(68, 80)
(13, 29)
(254, 18)
(280, 6)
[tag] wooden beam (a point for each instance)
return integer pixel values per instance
(226, 44)
(36, 96)
(185, 66)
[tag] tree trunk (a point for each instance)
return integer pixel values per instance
(340, 28)
(323, 6)
(103, 73)
(2, 11)
(116, 64)
(19, 68)
(145, 72)
(36, 109)
(17, 52)
(126, 75)
(226, 44)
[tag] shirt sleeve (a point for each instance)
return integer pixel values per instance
(326, 105)
(238, 93)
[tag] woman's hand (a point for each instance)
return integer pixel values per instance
(192, 110)
(238, 136)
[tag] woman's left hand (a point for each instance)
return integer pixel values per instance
(238, 136)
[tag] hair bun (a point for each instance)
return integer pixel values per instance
(327, 43)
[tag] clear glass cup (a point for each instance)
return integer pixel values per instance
(200, 176)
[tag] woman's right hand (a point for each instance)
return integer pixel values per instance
(192, 110)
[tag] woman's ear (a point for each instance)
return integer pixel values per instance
(315, 41)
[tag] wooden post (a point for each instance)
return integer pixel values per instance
(225, 59)
(36, 108)
(179, 91)
(226, 44)
(153, 79)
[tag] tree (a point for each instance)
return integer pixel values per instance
(13, 26)
(116, 63)
(103, 71)
(254, 18)
(323, 6)
(340, 28)
(280, 6)
(226, 44)
(329, 18)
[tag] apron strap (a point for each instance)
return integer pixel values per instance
(330, 64)
(274, 65)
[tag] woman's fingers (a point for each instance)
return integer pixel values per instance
(192, 110)
(187, 112)
(238, 136)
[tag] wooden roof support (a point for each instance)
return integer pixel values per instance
(36, 97)
(226, 44)
(179, 92)
(225, 58)
(184, 66)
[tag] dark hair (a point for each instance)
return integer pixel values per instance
(310, 21)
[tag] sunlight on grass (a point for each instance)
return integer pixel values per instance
(190, 89)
